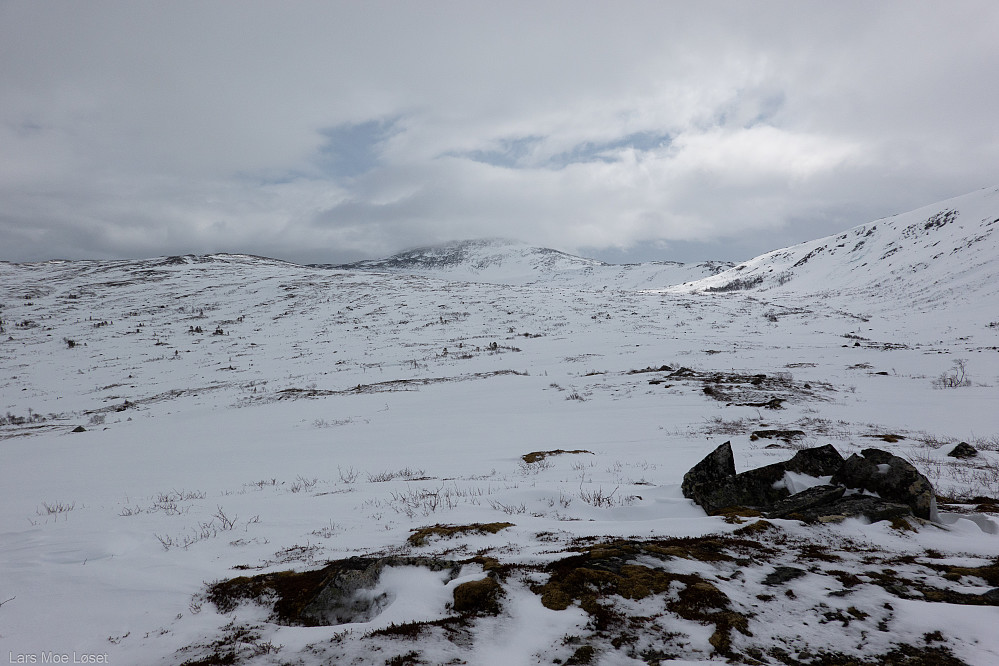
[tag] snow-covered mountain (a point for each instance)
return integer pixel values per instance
(932, 257)
(480, 255)
(503, 261)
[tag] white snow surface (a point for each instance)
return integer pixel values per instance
(243, 415)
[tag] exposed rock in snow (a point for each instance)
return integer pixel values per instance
(780, 491)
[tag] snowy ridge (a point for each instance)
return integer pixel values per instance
(933, 256)
(477, 256)
(503, 261)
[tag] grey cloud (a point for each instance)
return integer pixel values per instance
(355, 129)
(352, 149)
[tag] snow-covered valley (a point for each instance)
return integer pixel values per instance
(173, 424)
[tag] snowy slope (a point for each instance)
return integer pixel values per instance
(502, 261)
(933, 257)
(243, 416)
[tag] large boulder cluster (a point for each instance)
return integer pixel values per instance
(815, 485)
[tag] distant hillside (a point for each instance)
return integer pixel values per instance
(932, 256)
(502, 261)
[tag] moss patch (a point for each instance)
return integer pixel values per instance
(583, 655)
(420, 536)
(478, 597)
(755, 528)
(989, 573)
(609, 569)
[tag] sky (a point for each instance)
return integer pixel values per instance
(326, 132)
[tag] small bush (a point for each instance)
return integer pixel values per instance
(56, 508)
(956, 377)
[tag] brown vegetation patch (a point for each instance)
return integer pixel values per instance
(756, 528)
(916, 588)
(988, 573)
(608, 569)
(891, 438)
(902, 655)
(478, 597)
(237, 643)
(583, 655)
(318, 597)
(537, 456)
(450, 625)
(420, 536)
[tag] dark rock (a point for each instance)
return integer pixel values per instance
(878, 456)
(754, 489)
(336, 600)
(79, 429)
(805, 502)
(856, 472)
(715, 489)
(707, 474)
(817, 461)
(856, 506)
(992, 596)
(783, 575)
(963, 450)
(892, 478)
(828, 503)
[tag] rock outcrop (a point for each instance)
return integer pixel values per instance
(963, 450)
(890, 477)
(714, 485)
(875, 484)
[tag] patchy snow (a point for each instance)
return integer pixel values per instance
(795, 482)
(245, 416)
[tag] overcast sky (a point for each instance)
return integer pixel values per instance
(627, 131)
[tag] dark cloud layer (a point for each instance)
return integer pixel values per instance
(333, 131)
